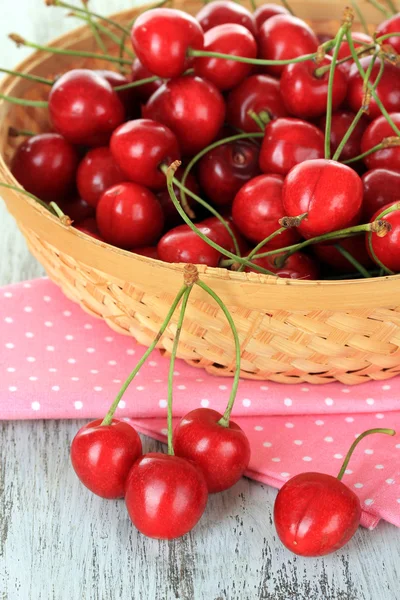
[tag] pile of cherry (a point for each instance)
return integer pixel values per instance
(292, 128)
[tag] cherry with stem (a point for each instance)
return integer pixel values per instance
(383, 214)
(355, 444)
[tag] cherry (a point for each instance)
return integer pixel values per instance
(220, 12)
(161, 38)
(331, 256)
(165, 495)
(257, 208)
(139, 148)
(296, 266)
(77, 209)
(344, 50)
(283, 37)
(128, 97)
(144, 91)
(387, 248)
(171, 215)
(221, 235)
(222, 453)
(231, 39)
(288, 142)
(223, 170)
(45, 165)
(96, 173)
(388, 89)
(89, 226)
(149, 251)
(257, 93)
(84, 108)
(391, 25)
(192, 107)
(305, 94)
(129, 215)
(381, 187)
(387, 158)
(266, 11)
(340, 124)
(102, 456)
(329, 192)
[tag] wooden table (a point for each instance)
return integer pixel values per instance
(57, 541)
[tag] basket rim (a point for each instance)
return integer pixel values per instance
(29, 213)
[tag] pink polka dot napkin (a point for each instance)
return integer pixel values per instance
(57, 362)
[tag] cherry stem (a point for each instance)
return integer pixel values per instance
(253, 5)
(169, 172)
(352, 261)
(109, 416)
(360, 16)
(224, 421)
(13, 132)
(23, 102)
(34, 78)
(92, 14)
(98, 27)
(320, 71)
(93, 26)
(392, 6)
(257, 119)
(355, 444)
(20, 41)
(137, 83)
(65, 220)
(384, 144)
(287, 6)
(383, 214)
(22, 191)
(387, 14)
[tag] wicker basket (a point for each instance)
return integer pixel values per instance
(290, 331)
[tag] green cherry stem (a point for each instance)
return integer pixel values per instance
(29, 195)
(286, 4)
(224, 421)
(24, 102)
(360, 16)
(137, 83)
(92, 14)
(29, 77)
(253, 5)
(109, 416)
(355, 444)
(382, 38)
(257, 119)
(386, 13)
(392, 6)
(320, 71)
(383, 214)
(13, 132)
(389, 142)
(352, 261)
(93, 26)
(104, 30)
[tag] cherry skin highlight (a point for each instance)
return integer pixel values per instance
(296, 266)
(97, 172)
(45, 165)
(222, 453)
(129, 215)
(387, 248)
(161, 38)
(377, 131)
(316, 514)
(381, 187)
(103, 455)
(340, 124)
(165, 495)
(266, 11)
(220, 12)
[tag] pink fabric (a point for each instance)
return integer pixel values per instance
(57, 362)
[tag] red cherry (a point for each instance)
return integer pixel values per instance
(296, 266)
(161, 38)
(329, 255)
(192, 107)
(288, 142)
(102, 456)
(149, 251)
(45, 165)
(165, 495)
(388, 89)
(128, 97)
(305, 95)
(388, 158)
(89, 226)
(266, 11)
(223, 170)
(391, 25)
(316, 514)
(283, 37)
(387, 248)
(340, 124)
(331, 194)
(96, 173)
(222, 453)
(220, 12)
(77, 209)
(129, 215)
(257, 93)
(182, 245)
(257, 208)
(84, 108)
(171, 215)
(221, 236)
(140, 147)
(344, 50)
(381, 187)
(231, 39)
(139, 71)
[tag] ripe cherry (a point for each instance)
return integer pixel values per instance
(387, 158)
(171, 215)
(89, 226)
(340, 124)
(149, 251)
(283, 37)
(381, 187)
(96, 173)
(296, 266)
(266, 11)
(139, 71)
(77, 209)
(220, 12)
(222, 453)
(388, 89)
(140, 147)
(84, 108)
(391, 25)
(257, 93)
(192, 108)
(288, 142)
(305, 94)
(102, 456)
(231, 39)
(344, 50)
(165, 495)
(45, 165)
(387, 248)
(221, 235)
(161, 38)
(223, 170)
(128, 97)
(129, 215)
(330, 255)
(257, 208)
(329, 192)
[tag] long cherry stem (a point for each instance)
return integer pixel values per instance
(93, 26)
(103, 30)
(386, 13)
(353, 261)
(224, 421)
(22, 191)
(24, 102)
(137, 83)
(355, 444)
(394, 141)
(29, 77)
(383, 214)
(392, 6)
(287, 6)
(13, 132)
(93, 14)
(360, 16)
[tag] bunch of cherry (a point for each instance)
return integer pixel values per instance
(289, 142)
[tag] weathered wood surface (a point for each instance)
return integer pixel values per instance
(58, 542)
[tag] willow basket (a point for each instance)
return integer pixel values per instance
(290, 331)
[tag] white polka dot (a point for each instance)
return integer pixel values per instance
(122, 404)
(264, 388)
(368, 501)
(328, 439)
(158, 381)
(370, 401)
(346, 391)
(50, 348)
(69, 337)
(246, 402)
(222, 387)
(164, 431)
(28, 309)
(109, 338)
(199, 380)
(153, 363)
(98, 388)
(288, 402)
(52, 370)
(140, 388)
(390, 481)
(298, 442)
(35, 406)
(305, 389)
(258, 428)
(176, 373)
(379, 467)
(71, 361)
(10, 346)
(74, 378)
(307, 458)
(9, 320)
(11, 369)
(55, 388)
(181, 387)
(368, 451)
(349, 419)
(329, 402)
(349, 472)
(7, 295)
(319, 423)
(337, 456)
(31, 359)
(47, 298)
(90, 350)
(289, 425)
(162, 403)
(27, 285)
(276, 459)
(67, 313)
(386, 387)
(285, 474)
(358, 485)
(380, 416)
(112, 363)
(29, 334)
(398, 446)
(12, 388)
(130, 352)
(94, 371)
(267, 444)
(205, 403)
(48, 324)
(33, 378)
(78, 405)
(88, 326)
(398, 500)
(116, 381)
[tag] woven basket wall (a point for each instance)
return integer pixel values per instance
(290, 331)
